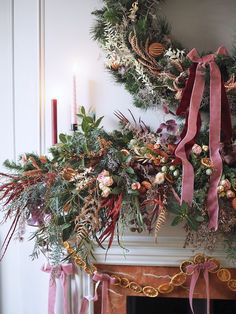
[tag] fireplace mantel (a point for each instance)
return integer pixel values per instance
(142, 250)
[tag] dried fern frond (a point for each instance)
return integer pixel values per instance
(87, 221)
(161, 219)
(177, 64)
(149, 63)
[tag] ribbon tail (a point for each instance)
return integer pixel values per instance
(65, 293)
(214, 145)
(185, 100)
(84, 306)
(51, 297)
(104, 297)
(180, 152)
(206, 277)
(75, 299)
(193, 282)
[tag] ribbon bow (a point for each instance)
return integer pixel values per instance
(60, 272)
(194, 271)
(219, 118)
(106, 280)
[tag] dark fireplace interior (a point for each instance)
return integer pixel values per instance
(141, 305)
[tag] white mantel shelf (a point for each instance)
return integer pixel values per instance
(142, 250)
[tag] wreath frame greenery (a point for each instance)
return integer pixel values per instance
(142, 55)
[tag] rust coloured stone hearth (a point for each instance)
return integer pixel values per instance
(148, 275)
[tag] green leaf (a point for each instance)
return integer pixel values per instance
(192, 224)
(133, 192)
(66, 225)
(174, 208)
(97, 123)
(82, 110)
(63, 138)
(116, 190)
(176, 221)
(84, 126)
(184, 207)
(199, 219)
(88, 119)
(130, 170)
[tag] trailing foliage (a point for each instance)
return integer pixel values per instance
(96, 185)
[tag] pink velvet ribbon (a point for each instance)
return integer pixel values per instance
(194, 271)
(106, 280)
(60, 272)
(196, 88)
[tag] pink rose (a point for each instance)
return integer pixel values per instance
(135, 186)
(103, 174)
(196, 149)
(107, 181)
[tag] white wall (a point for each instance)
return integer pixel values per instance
(25, 120)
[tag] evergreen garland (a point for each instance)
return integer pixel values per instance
(97, 185)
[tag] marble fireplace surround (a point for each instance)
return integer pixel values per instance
(142, 255)
(150, 275)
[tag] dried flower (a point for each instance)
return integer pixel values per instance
(107, 181)
(125, 152)
(133, 11)
(43, 159)
(106, 191)
(230, 194)
(146, 184)
(68, 174)
(103, 174)
(135, 186)
(23, 158)
(132, 143)
(159, 178)
(101, 186)
(175, 53)
(226, 184)
(220, 189)
(205, 148)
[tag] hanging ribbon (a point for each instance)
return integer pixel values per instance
(219, 118)
(106, 280)
(60, 272)
(194, 271)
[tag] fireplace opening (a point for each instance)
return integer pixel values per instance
(141, 305)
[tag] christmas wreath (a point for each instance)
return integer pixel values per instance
(98, 184)
(141, 54)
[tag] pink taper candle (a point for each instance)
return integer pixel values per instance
(74, 109)
(54, 121)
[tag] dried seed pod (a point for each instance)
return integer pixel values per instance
(68, 174)
(156, 50)
(115, 66)
(147, 185)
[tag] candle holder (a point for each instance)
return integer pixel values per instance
(74, 127)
